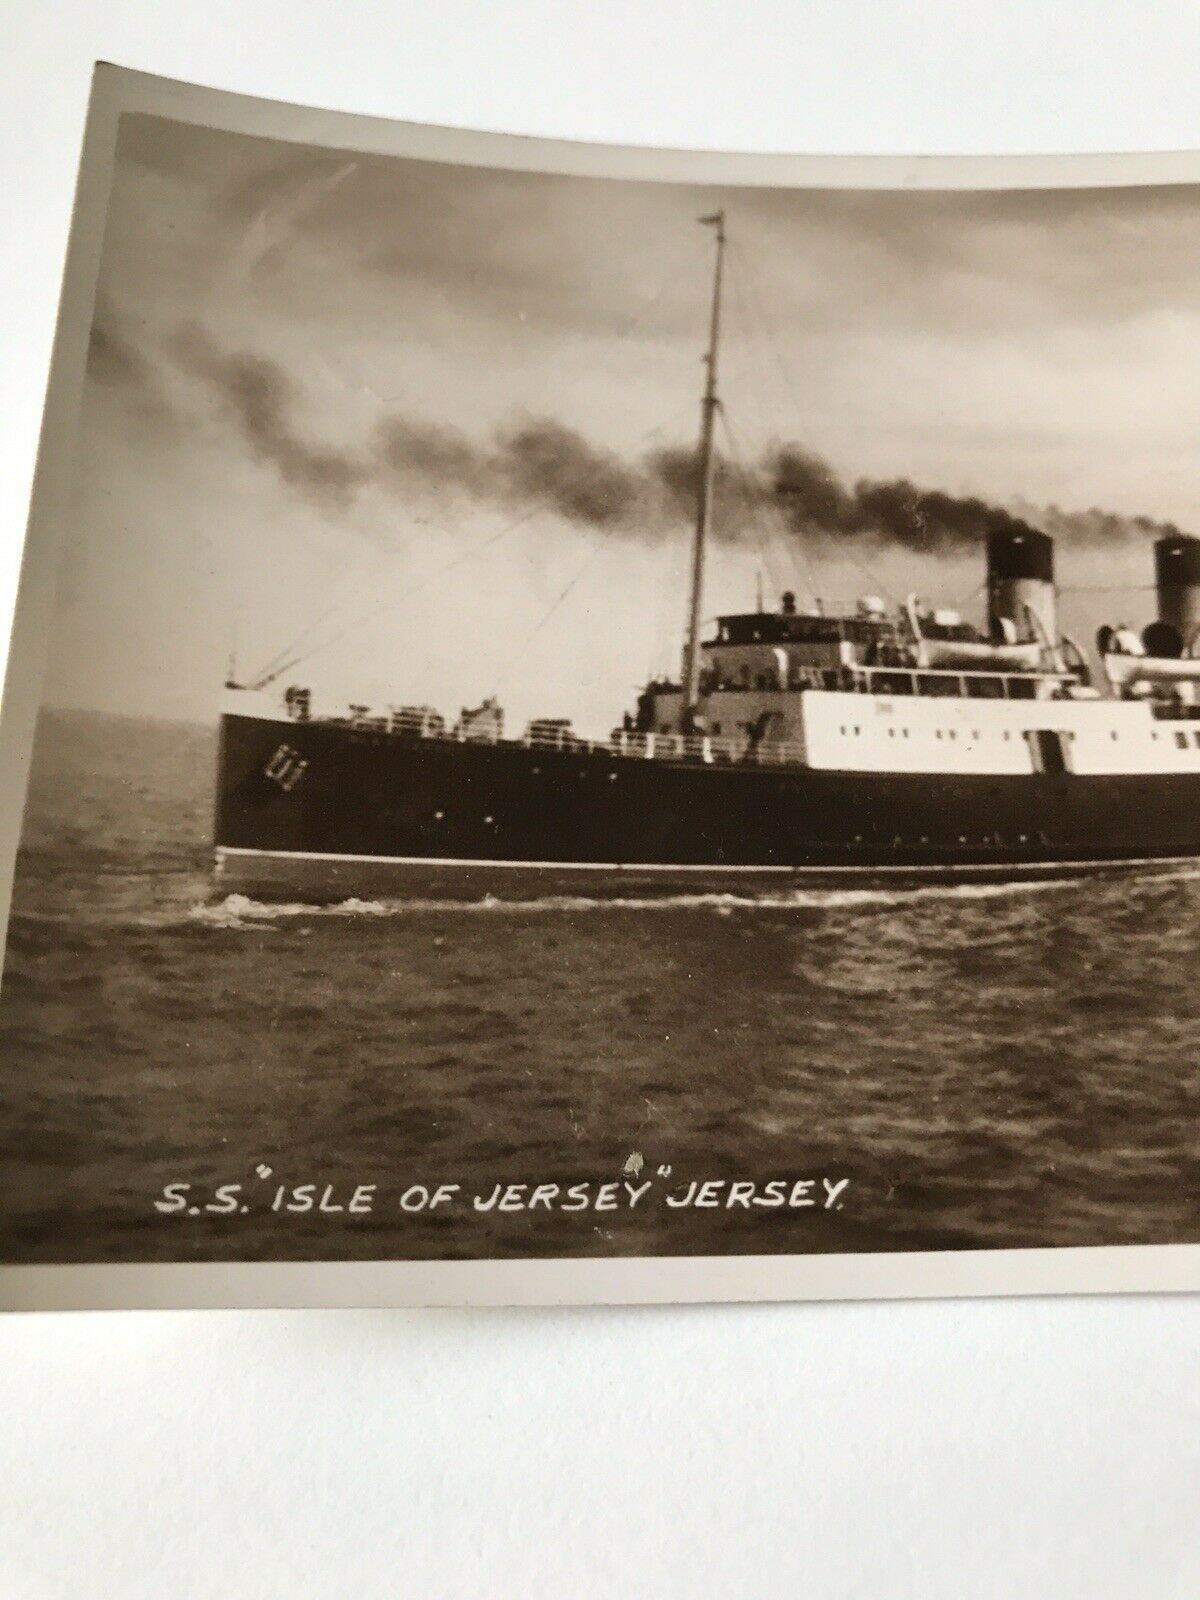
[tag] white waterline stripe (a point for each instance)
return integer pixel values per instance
(1007, 868)
(461, 861)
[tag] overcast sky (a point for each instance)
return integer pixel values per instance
(319, 384)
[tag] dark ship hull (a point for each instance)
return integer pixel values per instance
(324, 810)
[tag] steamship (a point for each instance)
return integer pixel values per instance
(798, 744)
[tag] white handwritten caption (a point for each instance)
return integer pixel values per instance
(362, 1199)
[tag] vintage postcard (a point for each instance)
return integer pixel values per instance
(591, 724)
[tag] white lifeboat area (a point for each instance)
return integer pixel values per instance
(862, 690)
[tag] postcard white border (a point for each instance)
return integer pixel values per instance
(1118, 1269)
(639, 1280)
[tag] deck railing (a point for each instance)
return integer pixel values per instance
(708, 749)
(485, 727)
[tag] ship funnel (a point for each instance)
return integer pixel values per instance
(1177, 575)
(1021, 585)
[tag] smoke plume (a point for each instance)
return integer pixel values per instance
(541, 464)
(257, 396)
(116, 363)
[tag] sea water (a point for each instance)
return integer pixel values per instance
(986, 1065)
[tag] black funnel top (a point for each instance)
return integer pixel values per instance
(1020, 553)
(1177, 561)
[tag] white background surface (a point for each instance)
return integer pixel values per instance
(990, 1449)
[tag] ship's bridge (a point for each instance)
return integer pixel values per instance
(780, 650)
(757, 665)
(793, 627)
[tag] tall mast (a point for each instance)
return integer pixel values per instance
(708, 412)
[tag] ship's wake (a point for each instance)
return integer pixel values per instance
(240, 911)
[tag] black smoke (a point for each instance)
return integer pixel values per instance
(929, 520)
(258, 397)
(548, 464)
(539, 463)
(116, 362)
(435, 455)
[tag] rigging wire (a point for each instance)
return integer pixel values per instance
(464, 556)
(786, 539)
(676, 274)
(523, 646)
(740, 274)
(270, 669)
(354, 571)
(423, 583)
(748, 497)
(772, 340)
(759, 301)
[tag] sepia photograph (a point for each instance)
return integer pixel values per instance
(595, 716)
